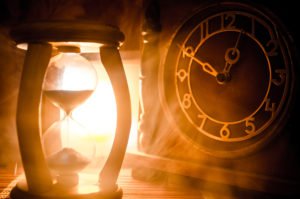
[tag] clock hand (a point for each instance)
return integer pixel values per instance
(205, 66)
(232, 55)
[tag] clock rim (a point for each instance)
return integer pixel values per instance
(277, 125)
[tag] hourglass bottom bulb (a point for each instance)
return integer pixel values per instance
(67, 162)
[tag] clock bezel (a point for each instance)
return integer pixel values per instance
(277, 125)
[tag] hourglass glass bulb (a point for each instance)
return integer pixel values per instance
(70, 79)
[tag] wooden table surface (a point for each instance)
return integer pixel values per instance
(132, 188)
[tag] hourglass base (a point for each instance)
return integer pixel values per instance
(18, 193)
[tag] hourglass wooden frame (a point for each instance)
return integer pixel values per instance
(41, 39)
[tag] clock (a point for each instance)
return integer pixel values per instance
(227, 82)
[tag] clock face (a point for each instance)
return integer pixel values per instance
(228, 79)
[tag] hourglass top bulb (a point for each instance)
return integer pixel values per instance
(70, 79)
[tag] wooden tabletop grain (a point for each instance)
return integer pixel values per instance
(132, 188)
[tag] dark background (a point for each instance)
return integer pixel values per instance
(127, 14)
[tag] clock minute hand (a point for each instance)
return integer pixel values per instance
(232, 55)
(205, 66)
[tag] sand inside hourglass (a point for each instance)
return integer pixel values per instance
(67, 99)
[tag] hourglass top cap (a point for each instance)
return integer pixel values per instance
(67, 31)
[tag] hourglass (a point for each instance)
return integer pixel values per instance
(55, 70)
(69, 81)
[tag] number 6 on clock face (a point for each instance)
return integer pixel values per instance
(229, 71)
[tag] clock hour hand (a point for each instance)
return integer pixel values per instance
(189, 52)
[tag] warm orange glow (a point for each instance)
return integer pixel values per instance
(98, 114)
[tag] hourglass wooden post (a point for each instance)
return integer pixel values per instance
(43, 40)
(35, 167)
(112, 62)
